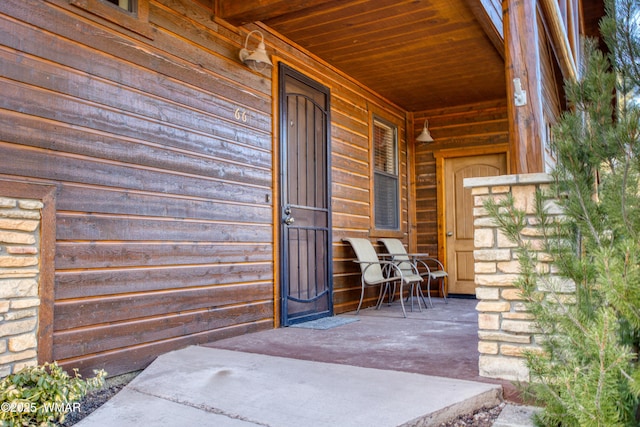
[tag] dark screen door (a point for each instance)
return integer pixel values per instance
(305, 215)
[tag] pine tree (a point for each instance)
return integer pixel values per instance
(588, 373)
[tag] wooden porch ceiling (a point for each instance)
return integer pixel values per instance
(419, 54)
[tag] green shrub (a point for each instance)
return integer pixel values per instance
(589, 371)
(43, 395)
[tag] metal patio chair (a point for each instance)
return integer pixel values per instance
(385, 273)
(428, 267)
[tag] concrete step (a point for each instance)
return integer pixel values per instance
(215, 387)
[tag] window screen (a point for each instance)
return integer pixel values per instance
(385, 180)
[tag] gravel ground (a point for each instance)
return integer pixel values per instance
(484, 417)
(97, 398)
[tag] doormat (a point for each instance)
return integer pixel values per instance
(325, 323)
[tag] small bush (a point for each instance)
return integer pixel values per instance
(589, 371)
(43, 395)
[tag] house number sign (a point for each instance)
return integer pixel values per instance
(241, 114)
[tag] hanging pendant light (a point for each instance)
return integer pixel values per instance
(425, 136)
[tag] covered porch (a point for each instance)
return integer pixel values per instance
(440, 341)
(158, 172)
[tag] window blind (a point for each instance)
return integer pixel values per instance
(385, 181)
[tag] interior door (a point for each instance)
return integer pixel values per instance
(306, 274)
(459, 216)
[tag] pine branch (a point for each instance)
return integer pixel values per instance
(589, 372)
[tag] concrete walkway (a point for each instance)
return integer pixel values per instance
(377, 369)
(200, 386)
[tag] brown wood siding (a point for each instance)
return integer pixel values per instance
(164, 202)
(467, 126)
(552, 95)
(163, 224)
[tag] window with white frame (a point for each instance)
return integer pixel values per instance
(385, 176)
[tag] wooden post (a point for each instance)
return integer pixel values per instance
(522, 61)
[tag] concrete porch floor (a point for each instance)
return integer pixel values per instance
(442, 341)
(380, 370)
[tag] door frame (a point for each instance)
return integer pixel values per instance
(278, 236)
(449, 153)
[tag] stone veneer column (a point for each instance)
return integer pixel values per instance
(505, 328)
(20, 224)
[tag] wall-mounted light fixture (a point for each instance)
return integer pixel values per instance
(425, 136)
(519, 95)
(257, 59)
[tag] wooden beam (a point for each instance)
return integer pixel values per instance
(522, 61)
(241, 12)
(558, 33)
(489, 16)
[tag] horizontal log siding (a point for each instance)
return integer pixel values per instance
(164, 231)
(164, 202)
(467, 126)
(352, 211)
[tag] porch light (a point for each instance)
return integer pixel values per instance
(519, 95)
(425, 136)
(258, 59)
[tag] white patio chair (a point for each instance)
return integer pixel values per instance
(376, 272)
(427, 266)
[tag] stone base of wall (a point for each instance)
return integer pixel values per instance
(505, 329)
(19, 274)
(506, 368)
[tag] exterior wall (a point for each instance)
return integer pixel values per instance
(161, 148)
(139, 137)
(467, 126)
(19, 278)
(552, 96)
(506, 329)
